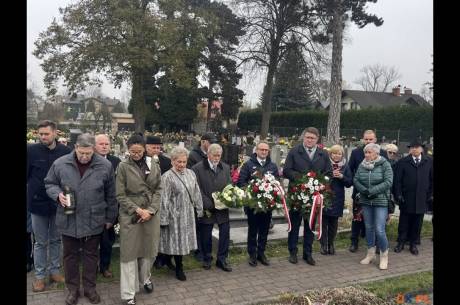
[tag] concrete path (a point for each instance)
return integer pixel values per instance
(248, 285)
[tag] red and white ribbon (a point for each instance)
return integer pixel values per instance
(280, 190)
(317, 212)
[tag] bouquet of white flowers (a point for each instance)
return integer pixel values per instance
(230, 197)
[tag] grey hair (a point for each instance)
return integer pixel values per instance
(372, 146)
(392, 146)
(102, 135)
(214, 148)
(178, 151)
(85, 140)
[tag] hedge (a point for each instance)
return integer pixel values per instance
(389, 118)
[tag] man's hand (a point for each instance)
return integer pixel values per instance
(108, 225)
(62, 199)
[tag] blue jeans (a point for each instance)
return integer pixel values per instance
(375, 220)
(46, 239)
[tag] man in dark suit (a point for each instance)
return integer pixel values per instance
(413, 190)
(102, 148)
(258, 223)
(212, 176)
(356, 157)
(301, 159)
(153, 148)
(198, 154)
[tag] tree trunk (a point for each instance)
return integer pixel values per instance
(137, 95)
(333, 122)
(267, 100)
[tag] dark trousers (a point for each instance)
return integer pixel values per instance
(29, 257)
(357, 229)
(258, 226)
(198, 252)
(89, 257)
(105, 251)
(329, 227)
(206, 241)
(293, 236)
(409, 227)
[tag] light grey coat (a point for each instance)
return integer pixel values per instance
(177, 218)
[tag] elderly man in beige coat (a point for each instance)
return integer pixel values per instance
(138, 193)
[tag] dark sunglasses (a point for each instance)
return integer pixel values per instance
(392, 152)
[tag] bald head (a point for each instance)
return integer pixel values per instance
(102, 144)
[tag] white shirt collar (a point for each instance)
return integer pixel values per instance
(260, 160)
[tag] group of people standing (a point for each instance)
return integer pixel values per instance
(166, 210)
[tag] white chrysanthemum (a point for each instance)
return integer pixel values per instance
(299, 197)
(316, 188)
(259, 195)
(315, 182)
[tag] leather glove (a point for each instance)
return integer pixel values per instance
(365, 193)
(401, 199)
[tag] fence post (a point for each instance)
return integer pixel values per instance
(398, 136)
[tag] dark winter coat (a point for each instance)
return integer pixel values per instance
(415, 184)
(377, 180)
(338, 188)
(196, 156)
(94, 195)
(356, 157)
(115, 161)
(298, 163)
(211, 182)
(165, 163)
(39, 160)
(253, 165)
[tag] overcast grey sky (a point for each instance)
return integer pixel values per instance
(405, 40)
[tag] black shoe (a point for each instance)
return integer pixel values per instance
(399, 247)
(353, 248)
(413, 249)
(148, 287)
(293, 258)
(323, 250)
(331, 250)
(158, 264)
(30, 267)
(309, 259)
(263, 259)
(224, 266)
(198, 256)
(72, 298)
(252, 260)
(180, 275)
(93, 297)
(377, 251)
(207, 265)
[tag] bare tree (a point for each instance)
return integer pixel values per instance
(378, 78)
(270, 25)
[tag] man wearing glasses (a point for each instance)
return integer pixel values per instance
(258, 223)
(305, 157)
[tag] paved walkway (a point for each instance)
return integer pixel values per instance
(247, 285)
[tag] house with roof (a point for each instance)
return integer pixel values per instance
(357, 99)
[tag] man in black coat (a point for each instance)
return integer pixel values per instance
(413, 190)
(212, 176)
(356, 157)
(47, 246)
(199, 154)
(258, 223)
(301, 159)
(153, 148)
(102, 148)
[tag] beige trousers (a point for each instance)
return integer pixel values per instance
(133, 275)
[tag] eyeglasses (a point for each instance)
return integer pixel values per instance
(392, 152)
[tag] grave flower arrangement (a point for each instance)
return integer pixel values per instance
(230, 197)
(264, 193)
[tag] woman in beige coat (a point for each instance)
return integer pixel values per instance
(138, 193)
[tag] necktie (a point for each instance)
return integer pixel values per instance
(310, 153)
(214, 168)
(417, 161)
(262, 162)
